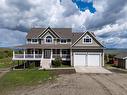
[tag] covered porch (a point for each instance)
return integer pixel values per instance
(38, 54)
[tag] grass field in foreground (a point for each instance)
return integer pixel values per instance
(14, 79)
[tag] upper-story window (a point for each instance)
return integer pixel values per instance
(63, 41)
(87, 39)
(34, 40)
(48, 39)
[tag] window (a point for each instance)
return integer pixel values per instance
(87, 39)
(63, 41)
(68, 40)
(28, 41)
(48, 39)
(34, 40)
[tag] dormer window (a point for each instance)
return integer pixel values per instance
(48, 39)
(87, 39)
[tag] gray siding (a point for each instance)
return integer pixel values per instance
(80, 42)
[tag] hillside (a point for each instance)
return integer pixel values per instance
(5, 57)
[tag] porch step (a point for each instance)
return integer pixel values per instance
(45, 63)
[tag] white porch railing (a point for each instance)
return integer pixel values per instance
(39, 56)
(28, 56)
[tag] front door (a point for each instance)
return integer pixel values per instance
(47, 53)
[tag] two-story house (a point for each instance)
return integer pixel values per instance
(76, 48)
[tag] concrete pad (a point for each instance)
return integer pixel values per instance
(92, 70)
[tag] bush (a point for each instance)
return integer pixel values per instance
(57, 62)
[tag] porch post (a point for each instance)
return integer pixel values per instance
(24, 53)
(71, 57)
(13, 53)
(34, 53)
(61, 53)
(51, 53)
(42, 53)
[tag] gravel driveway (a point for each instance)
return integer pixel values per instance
(81, 84)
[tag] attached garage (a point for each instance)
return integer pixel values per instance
(87, 59)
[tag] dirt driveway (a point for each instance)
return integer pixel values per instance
(81, 84)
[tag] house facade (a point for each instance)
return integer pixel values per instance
(76, 48)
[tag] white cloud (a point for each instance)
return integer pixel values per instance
(108, 22)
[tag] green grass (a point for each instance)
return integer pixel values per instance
(14, 79)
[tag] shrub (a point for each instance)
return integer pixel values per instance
(57, 62)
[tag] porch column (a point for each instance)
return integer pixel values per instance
(42, 53)
(13, 53)
(34, 53)
(51, 53)
(61, 53)
(71, 57)
(24, 53)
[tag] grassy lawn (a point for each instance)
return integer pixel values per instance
(14, 79)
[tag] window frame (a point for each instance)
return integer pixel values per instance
(46, 39)
(62, 42)
(34, 41)
(87, 37)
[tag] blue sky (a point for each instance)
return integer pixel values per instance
(102, 17)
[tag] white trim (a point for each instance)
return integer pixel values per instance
(48, 28)
(34, 42)
(89, 53)
(125, 63)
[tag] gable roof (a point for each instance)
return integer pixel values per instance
(62, 32)
(122, 55)
(91, 34)
(76, 36)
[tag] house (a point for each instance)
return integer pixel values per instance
(43, 45)
(121, 60)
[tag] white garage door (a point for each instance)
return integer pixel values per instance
(93, 60)
(79, 60)
(87, 59)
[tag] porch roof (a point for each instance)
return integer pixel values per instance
(46, 46)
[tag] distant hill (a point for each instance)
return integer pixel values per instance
(115, 50)
(5, 53)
